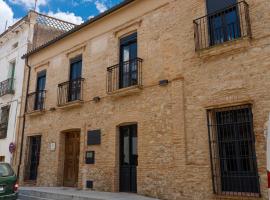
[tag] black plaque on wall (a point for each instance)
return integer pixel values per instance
(94, 137)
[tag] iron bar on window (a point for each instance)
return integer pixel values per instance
(232, 151)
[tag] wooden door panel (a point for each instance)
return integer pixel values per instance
(71, 168)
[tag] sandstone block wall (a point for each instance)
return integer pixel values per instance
(173, 146)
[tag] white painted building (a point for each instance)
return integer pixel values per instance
(30, 32)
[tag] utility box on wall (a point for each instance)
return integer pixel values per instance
(89, 184)
(90, 157)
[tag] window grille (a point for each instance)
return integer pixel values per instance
(232, 151)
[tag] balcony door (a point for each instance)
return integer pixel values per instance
(40, 90)
(128, 158)
(128, 72)
(75, 79)
(223, 21)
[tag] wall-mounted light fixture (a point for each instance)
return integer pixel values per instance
(164, 82)
(96, 99)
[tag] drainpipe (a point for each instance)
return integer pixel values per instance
(25, 109)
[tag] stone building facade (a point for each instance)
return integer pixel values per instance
(129, 102)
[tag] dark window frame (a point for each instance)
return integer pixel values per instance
(126, 79)
(223, 23)
(40, 93)
(4, 120)
(74, 87)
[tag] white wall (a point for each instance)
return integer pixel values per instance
(7, 55)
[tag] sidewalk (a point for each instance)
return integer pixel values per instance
(72, 193)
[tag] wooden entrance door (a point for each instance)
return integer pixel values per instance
(128, 158)
(72, 152)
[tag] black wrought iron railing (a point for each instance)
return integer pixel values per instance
(70, 91)
(3, 130)
(36, 101)
(125, 74)
(228, 24)
(6, 87)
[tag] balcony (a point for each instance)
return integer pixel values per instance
(36, 101)
(6, 87)
(124, 75)
(222, 26)
(70, 92)
(3, 130)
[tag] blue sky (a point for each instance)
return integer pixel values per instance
(75, 11)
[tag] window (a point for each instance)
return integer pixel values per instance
(36, 100)
(128, 72)
(223, 21)
(72, 90)
(11, 74)
(226, 20)
(11, 71)
(75, 79)
(40, 90)
(216, 5)
(128, 63)
(233, 156)
(2, 158)
(4, 121)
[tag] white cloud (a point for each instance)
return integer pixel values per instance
(6, 16)
(101, 7)
(91, 16)
(30, 4)
(66, 16)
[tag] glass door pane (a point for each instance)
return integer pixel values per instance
(40, 93)
(75, 81)
(128, 64)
